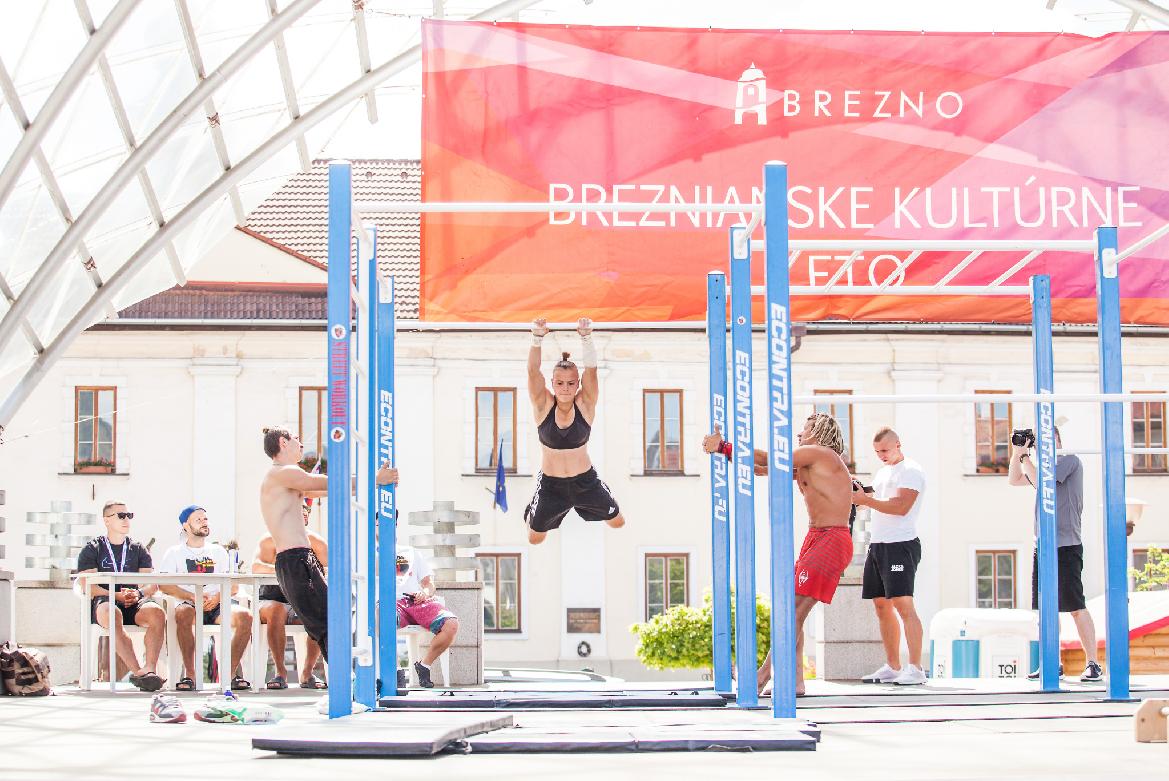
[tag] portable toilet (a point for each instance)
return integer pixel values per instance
(982, 643)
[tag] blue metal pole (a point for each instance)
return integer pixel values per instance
(387, 500)
(1112, 425)
(365, 687)
(744, 475)
(720, 534)
(1045, 500)
(340, 638)
(779, 464)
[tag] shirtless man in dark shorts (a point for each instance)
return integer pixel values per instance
(282, 494)
(826, 485)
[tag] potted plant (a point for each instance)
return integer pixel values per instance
(98, 466)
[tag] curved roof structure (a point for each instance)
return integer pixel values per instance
(135, 132)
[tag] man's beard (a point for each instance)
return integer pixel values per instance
(200, 532)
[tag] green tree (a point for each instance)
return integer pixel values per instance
(1155, 575)
(682, 637)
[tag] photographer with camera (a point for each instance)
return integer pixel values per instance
(1069, 508)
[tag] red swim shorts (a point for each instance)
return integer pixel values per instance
(823, 557)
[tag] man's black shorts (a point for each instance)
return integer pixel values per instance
(302, 579)
(555, 496)
(129, 614)
(1071, 581)
(890, 569)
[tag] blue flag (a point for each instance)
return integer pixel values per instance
(500, 488)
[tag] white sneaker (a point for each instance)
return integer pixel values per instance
(912, 675)
(885, 674)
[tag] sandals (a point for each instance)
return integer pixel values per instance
(277, 683)
(313, 682)
(239, 684)
(185, 685)
(147, 682)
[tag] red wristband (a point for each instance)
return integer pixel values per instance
(727, 450)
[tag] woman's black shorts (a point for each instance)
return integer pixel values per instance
(555, 496)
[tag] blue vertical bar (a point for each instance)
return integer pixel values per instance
(365, 687)
(720, 497)
(387, 498)
(743, 475)
(1112, 424)
(779, 451)
(340, 639)
(1045, 500)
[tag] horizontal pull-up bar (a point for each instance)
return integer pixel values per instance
(979, 398)
(902, 290)
(548, 207)
(938, 245)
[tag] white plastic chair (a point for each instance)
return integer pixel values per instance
(414, 635)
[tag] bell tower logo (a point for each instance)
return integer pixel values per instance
(751, 96)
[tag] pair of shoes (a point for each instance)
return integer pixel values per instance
(884, 674)
(166, 709)
(1092, 673)
(147, 682)
(1034, 674)
(403, 679)
(911, 675)
(423, 673)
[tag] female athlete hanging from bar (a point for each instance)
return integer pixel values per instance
(567, 480)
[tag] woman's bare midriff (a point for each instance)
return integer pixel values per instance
(565, 463)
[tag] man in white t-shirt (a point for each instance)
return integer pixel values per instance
(418, 605)
(196, 555)
(894, 553)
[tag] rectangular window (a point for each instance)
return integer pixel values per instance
(95, 412)
(502, 609)
(495, 419)
(666, 579)
(843, 415)
(1140, 560)
(662, 431)
(313, 402)
(995, 578)
(1148, 431)
(992, 435)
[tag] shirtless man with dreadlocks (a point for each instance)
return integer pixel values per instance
(824, 481)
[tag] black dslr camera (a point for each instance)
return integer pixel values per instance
(1023, 437)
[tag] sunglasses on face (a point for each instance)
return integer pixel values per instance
(123, 516)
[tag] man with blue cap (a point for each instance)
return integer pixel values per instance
(197, 555)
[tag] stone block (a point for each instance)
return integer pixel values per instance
(849, 618)
(848, 661)
(47, 616)
(466, 665)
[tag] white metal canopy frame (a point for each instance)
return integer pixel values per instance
(136, 132)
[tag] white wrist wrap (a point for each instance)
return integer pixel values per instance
(588, 352)
(537, 341)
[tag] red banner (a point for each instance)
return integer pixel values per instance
(907, 136)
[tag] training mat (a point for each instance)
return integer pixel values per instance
(636, 739)
(504, 700)
(363, 736)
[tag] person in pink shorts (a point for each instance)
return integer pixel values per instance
(418, 605)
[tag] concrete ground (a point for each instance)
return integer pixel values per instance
(931, 734)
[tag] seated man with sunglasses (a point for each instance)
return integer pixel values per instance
(418, 604)
(116, 552)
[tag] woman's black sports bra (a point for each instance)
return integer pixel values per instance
(576, 435)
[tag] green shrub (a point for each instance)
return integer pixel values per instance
(1155, 575)
(682, 637)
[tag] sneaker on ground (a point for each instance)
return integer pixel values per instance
(1034, 674)
(1092, 673)
(911, 675)
(166, 709)
(885, 674)
(423, 673)
(355, 707)
(226, 709)
(262, 714)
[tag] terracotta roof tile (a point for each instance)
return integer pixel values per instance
(296, 217)
(233, 301)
